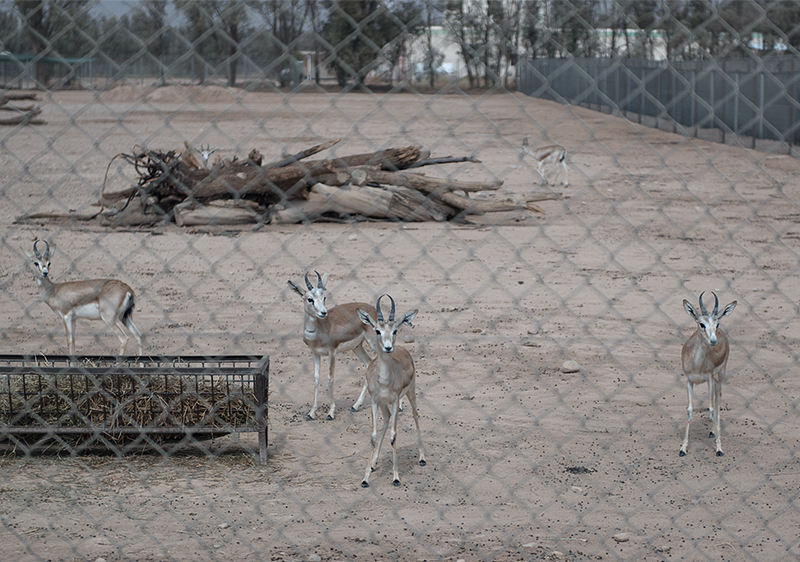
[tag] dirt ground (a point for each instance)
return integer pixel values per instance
(524, 461)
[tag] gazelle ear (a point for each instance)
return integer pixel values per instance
(408, 317)
(365, 318)
(29, 255)
(689, 309)
(324, 280)
(297, 289)
(728, 309)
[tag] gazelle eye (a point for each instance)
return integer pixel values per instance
(702, 326)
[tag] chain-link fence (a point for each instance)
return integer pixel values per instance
(547, 345)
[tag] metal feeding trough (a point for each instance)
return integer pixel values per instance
(122, 401)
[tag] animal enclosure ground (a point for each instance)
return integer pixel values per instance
(524, 461)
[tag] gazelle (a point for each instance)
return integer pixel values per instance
(206, 153)
(553, 154)
(108, 300)
(704, 357)
(390, 376)
(326, 332)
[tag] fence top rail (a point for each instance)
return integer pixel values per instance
(92, 361)
(116, 370)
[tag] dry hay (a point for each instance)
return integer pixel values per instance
(113, 401)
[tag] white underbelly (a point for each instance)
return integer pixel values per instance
(87, 311)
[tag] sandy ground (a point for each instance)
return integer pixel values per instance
(524, 461)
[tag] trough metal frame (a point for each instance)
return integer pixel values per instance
(256, 369)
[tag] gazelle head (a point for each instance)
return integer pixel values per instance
(385, 330)
(707, 323)
(206, 153)
(41, 261)
(314, 297)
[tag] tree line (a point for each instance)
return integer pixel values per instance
(351, 38)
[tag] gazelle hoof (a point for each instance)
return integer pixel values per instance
(711, 435)
(422, 462)
(309, 417)
(720, 454)
(330, 417)
(353, 409)
(682, 453)
(365, 484)
(396, 482)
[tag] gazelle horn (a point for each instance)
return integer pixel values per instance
(378, 308)
(391, 314)
(703, 310)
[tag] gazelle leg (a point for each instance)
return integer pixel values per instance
(711, 405)
(566, 173)
(386, 420)
(393, 441)
(717, 421)
(689, 421)
(332, 410)
(136, 333)
(122, 335)
(69, 324)
(359, 351)
(373, 437)
(376, 442)
(313, 413)
(541, 173)
(412, 399)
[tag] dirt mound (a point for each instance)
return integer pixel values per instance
(171, 94)
(216, 94)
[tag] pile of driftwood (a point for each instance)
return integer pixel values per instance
(23, 115)
(185, 188)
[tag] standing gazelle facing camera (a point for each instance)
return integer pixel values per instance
(704, 357)
(554, 154)
(390, 376)
(108, 300)
(329, 331)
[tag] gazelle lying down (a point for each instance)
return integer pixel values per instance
(704, 357)
(553, 154)
(108, 300)
(390, 376)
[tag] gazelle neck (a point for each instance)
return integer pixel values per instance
(309, 327)
(45, 285)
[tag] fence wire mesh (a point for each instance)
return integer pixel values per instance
(548, 340)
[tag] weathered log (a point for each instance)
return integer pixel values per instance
(20, 96)
(27, 118)
(302, 154)
(228, 212)
(17, 108)
(444, 160)
(361, 202)
(389, 159)
(136, 213)
(428, 184)
(481, 206)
